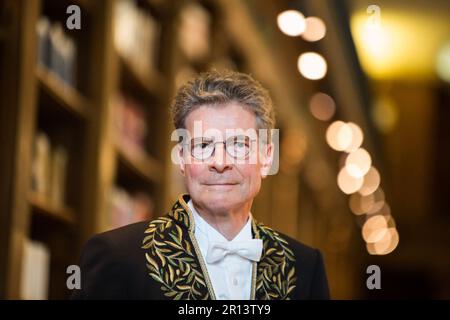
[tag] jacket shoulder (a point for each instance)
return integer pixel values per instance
(125, 236)
(301, 249)
(110, 264)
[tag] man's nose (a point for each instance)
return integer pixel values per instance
(219, 159)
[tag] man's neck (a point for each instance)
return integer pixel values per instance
(227, 223)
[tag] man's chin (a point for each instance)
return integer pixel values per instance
(220, 195)
(220, 200)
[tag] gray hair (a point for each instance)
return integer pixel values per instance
(221, 88)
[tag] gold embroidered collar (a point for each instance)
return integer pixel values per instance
(173, 259)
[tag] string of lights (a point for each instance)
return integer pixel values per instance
(358, 177)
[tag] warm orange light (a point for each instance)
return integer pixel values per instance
(347, 183)
(291, 22)
(357, 138)
(358, 163)
(371, 182)
(383, 46)
(322, 106)
(339, 135)
(378, 201)
(315, 29)
(385, 113)
(312, 65)
(384, 211)
(361, 204)
(386, 244)
(374, 229)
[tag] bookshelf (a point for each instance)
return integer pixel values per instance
(151, 84)
(64, 96)
(8, 75)
(41, 206)
(146, 169)
(102, 113)
(66, 114)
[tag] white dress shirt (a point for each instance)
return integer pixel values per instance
(231, 277)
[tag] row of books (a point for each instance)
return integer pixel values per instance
(136, 35)
(130, 121)
(56, 50)
(126, 208)
(35, 271)
(194, 32)
(49, 168)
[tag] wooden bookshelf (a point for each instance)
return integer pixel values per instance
(64, 95)
(42, 206)
(151, 84)
(144, 168)
(81, 118)
(91, 6)
(144, 173)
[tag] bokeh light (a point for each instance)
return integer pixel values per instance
(315, 29)
(312, 65)
(360, 204)
(322, 106)
(442, 62)
(374, 229)
(358, 163)
(371, 182)
(291, 22)
(378, 201)
(347, 183)
(386, 244)
(357, 137)
(339, 135)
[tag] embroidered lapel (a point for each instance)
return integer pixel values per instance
(276, 277)
(175, 261)
(173, 257)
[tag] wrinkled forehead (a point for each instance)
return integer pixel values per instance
(218, 134)
(220, 118)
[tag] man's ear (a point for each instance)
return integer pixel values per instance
(181, 161)
(266, 158)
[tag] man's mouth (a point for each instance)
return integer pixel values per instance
(221, 184)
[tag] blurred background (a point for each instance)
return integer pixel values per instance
(362, 95)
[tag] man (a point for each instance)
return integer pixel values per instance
(209, 246)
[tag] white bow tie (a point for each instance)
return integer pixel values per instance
(249, 249)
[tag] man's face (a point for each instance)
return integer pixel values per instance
(221, 183)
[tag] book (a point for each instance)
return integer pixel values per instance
(131, 126)
(43, 34)
(126, 208)
(35, 271)
(58, 176)
(136, 35)
(49, 170)
(194, 32)
(57, 51)
(40, 182)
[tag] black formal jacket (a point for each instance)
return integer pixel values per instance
(161, 259)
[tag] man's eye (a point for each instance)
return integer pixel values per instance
(241, 142)
(202, 145)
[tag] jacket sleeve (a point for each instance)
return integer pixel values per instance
(319, 285)
(101, 271)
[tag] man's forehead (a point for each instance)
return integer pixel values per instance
(230, 115)
(212, 132)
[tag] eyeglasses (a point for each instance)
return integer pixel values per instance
(239, 147)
